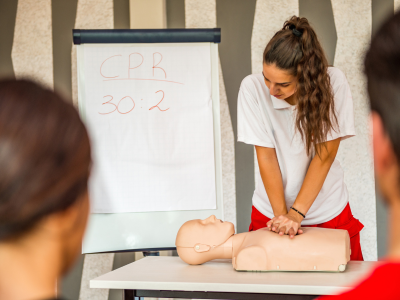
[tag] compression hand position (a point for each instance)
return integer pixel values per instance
(286, 224)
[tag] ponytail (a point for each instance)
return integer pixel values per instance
(296, 49)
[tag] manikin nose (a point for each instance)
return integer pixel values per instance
(211, 219)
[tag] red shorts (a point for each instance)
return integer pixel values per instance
(344, 220)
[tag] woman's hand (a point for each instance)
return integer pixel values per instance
(286, 224)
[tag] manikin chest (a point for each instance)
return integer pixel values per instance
(317, 249)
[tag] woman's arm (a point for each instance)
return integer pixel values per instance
(315, 178)
(272, 179)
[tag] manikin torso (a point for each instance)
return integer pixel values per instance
(317, 249)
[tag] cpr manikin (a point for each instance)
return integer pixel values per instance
(317, 249)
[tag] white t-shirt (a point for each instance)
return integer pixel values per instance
(266, 121)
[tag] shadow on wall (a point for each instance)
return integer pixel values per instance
(320, 15)
(8, 12)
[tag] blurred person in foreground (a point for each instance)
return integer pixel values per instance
(382, 67)
(44, 168)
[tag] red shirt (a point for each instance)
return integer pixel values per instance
(382, 283)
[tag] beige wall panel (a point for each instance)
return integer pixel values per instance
(396, 5)
(203, 14)
(268, 19)
(146, 14)
(355, 154)
(90, 14)
(94, 266)
(200, 14)
(32, 51)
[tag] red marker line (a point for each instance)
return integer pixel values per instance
(143, 79)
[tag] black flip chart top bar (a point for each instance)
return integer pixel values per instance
(116, 36)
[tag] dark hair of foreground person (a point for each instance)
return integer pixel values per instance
(382, 65)
(45, 163)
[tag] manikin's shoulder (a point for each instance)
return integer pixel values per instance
(248, 251)
(250, 258)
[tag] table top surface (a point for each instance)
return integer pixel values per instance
(171, 273)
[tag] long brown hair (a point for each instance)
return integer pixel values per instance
(296, 49)
(44, 156)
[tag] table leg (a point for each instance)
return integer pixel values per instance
(140, 294)
(130, 295)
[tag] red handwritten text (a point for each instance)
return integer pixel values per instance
(133, 63)
(103, 64)
(159, 103)
(116, 107)
(155, 66)
(129, 71)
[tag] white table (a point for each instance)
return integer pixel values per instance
(170, 277)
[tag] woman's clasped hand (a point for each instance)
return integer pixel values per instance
(286, 224)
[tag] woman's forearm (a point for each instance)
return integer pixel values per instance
(316, 175)
(272, 179)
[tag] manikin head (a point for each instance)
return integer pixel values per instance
(199, 241)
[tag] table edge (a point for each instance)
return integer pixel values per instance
(214, 287)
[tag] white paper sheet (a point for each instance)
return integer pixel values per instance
(148, 110)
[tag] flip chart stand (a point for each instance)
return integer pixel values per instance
(105, 231)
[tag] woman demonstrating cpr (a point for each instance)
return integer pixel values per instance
(296, 113)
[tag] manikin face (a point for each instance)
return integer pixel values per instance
(210, 231)
(214, 226)
(280, 83)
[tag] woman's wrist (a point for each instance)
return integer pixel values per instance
(281, 212)
(298, 217)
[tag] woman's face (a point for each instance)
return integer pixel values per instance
(280, 83)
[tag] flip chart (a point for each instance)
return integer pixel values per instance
(148, 110)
